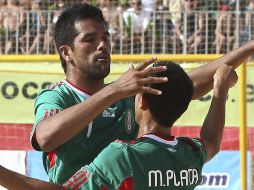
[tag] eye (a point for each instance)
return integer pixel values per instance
(88, 39)
(106, 38)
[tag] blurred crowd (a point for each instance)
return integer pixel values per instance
(136, 26)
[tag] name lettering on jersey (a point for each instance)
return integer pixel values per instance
(129, 122)
(106, 113)
(184, 178)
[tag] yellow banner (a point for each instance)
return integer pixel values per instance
(20, 83)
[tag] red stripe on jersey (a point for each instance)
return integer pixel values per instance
(55, 85)
(52, 159)
(46, 114)
(77, 87)
(126, 141)
(77, 176)
(103, 187)
(52, 111)
(81, 182)
(127, 184)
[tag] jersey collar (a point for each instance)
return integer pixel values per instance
(76, 89)
(171, 141)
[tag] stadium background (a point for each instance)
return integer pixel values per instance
(30, 33)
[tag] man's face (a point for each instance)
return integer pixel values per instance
(136, 4)
(190, 5)
(91, 51)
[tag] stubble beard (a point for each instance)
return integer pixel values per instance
(97, 72)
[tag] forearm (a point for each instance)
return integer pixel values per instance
(202, 77)
(213, 126)
(60, 128)
(10, 180)
(13, 181)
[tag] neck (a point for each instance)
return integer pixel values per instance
(85, 84)
(150, 126)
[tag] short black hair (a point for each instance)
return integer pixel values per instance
(176, 94)
(65, 31)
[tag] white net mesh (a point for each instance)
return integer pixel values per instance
(189, 26)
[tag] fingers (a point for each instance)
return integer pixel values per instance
(225, 77)
(143, 65)
(131, 66)
(152, 70)
(151, 90)
(233, 79)
(151, 80)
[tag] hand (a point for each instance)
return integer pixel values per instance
(224, 78)
(135, 80)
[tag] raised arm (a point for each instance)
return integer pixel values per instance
(13, 181)
(61, 127)
(213, 126)
(202, 76)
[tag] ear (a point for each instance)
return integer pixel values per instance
(66, 52)
(143, 103)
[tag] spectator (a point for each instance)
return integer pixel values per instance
(164, 29)
(248, 31)
(148, 5)
(112, 16)
(224, 4)
(195, 27)
(136, 17)
(176, 9)
(2, 4)
(48, 46)
(13, 20)
(26, 4)
(136, 22)
(210, 9)
(225, 30)
(37, 27)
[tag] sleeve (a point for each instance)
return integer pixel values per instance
(109, 171)
(201, 149)
(85, 179)
(48, 103)
(197, 147)
(113, 165)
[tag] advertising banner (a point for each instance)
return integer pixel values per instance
(223, 172)
(20, 83)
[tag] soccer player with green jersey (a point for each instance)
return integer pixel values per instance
(156, 160)
(78, 117)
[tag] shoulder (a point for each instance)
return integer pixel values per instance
(115, 151)
(55, 93)
(53, 90)
(52, 87)
(195, 145)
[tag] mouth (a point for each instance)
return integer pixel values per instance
(103, 58)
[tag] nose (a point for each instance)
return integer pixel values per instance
(102, 46)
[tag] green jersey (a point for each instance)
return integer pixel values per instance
(151, 163)
(117, 121)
